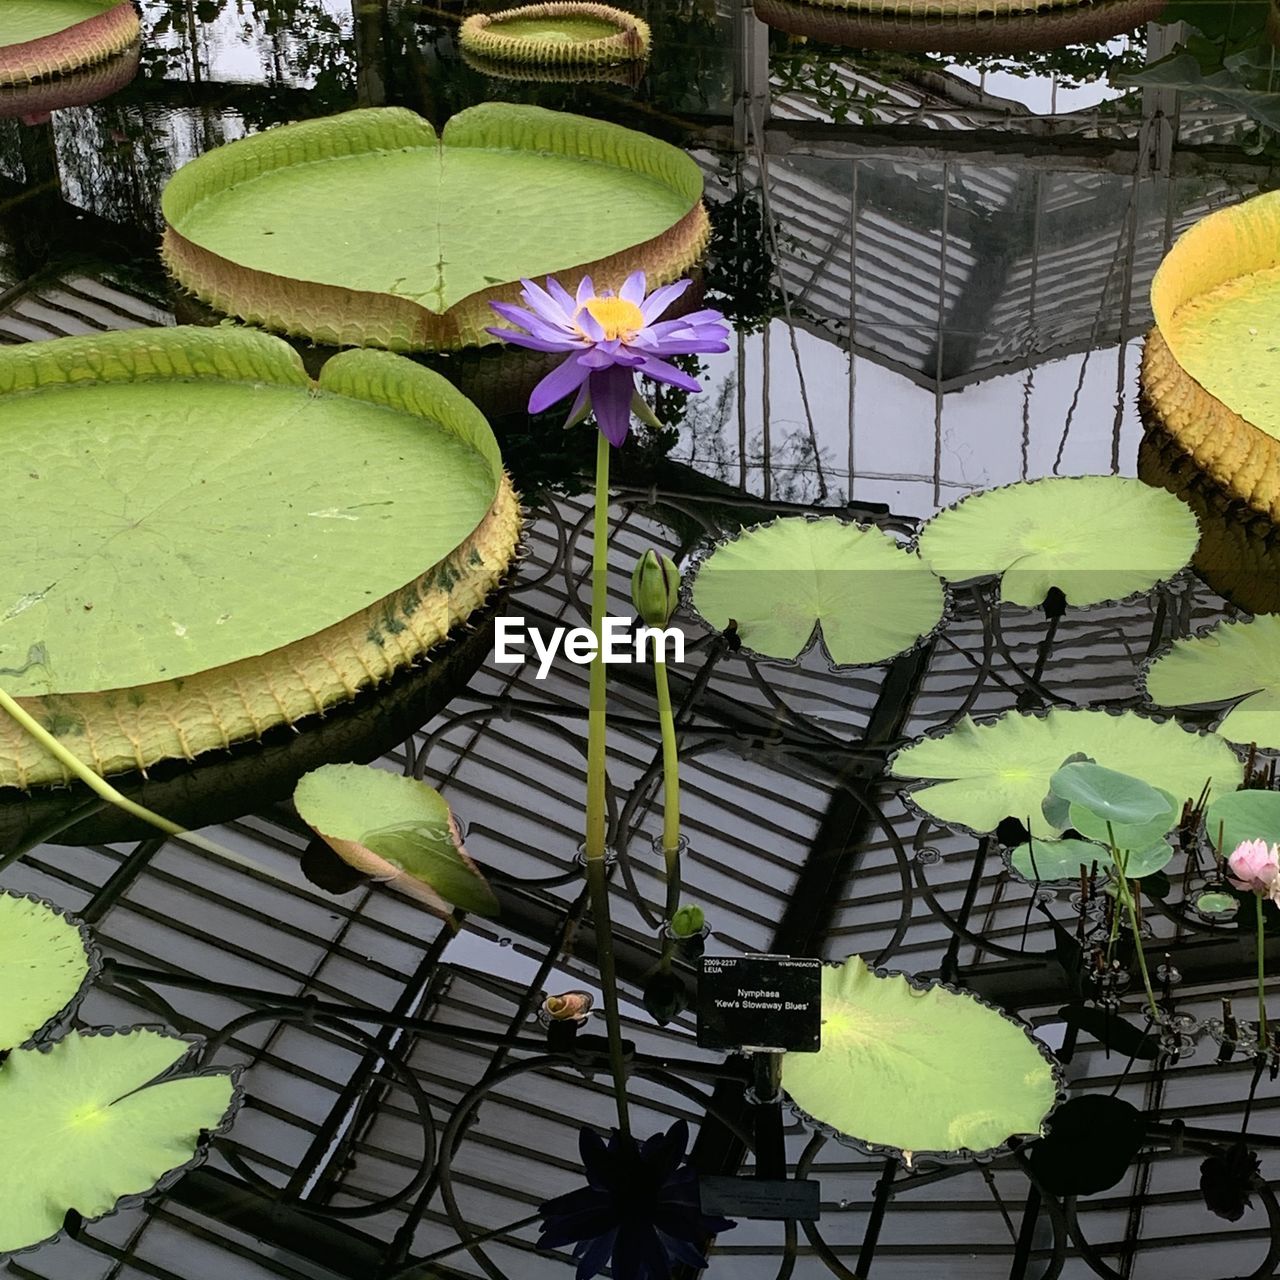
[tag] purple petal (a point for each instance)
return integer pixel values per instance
(611, 391)
(560, 346)
(545, 305)
(590, 326)
(661, 371)
(562, 381)
(586, 290)
(561, 295)
(660, 299)
(633, 288)
(593, 1259)
(580, 406)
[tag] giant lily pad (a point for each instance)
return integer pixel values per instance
(849, 587)
(94, 1119)
(45, 961)
(396, 830)
(433, 227)
(959, 26)
(175, 579)
(44, 38)
(35, 102)
(978, 774)
(1095, 538)
(563, 33)
(1210, 371)
(1236, 662)
(918, 1069)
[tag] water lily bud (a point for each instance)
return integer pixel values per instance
(688, 921)
(655, 588)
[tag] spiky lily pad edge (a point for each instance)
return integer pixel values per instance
(905, 794)
(689, 576)
(997, 576)
(137, 1199)
(343, 317)
(481, 34)
(94, 40)
(73, 89)
(1010, 31)
(958, 1155)
(93, 958)
(627, 74)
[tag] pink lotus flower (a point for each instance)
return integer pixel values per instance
(611, 338)
(1255, 868)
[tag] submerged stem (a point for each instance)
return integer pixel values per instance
(594, 845)
(101, 787)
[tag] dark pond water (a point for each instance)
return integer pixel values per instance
(937, 266)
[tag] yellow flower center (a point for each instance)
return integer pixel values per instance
(616, 316)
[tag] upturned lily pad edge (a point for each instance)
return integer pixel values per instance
(693, 564)
(306, 676)
(997, 576)
(342, 317)
(83, 44)
(181, 1069)
(957, 1155)
(1236, 455)
(93, 957)
(481, 34)
(906, 793)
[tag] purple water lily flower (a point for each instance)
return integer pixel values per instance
(611, 338)
(640, 1212)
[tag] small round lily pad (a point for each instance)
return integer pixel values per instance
(851, 588)
(979, 773)
(1236, 662)
(918, 1069)
(41, 39)
(1095, 538)
(96, 1118)
(45, 961)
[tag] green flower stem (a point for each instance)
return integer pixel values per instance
(670, 787)
(1262, 975)
(594, 846)
(1126, 896)
(100, 786)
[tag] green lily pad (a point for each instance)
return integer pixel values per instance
(445, 221)
(45, 961)
(1235, 662)
(977, 774)
(396, 830)
(1216, 906)
(94, 1119)
(1109, 795)
(158, 527)
(1051, 861)
(1241, 816)
(1146, 861)
(1095, 538)
(918, 1069)
(560, 34)
(795, 582)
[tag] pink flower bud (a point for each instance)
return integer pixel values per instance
(1254, 866)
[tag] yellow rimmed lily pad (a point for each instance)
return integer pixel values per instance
(434, 227)
(46, 959)
(174, 580)
(1211, 366)
(562, 34)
